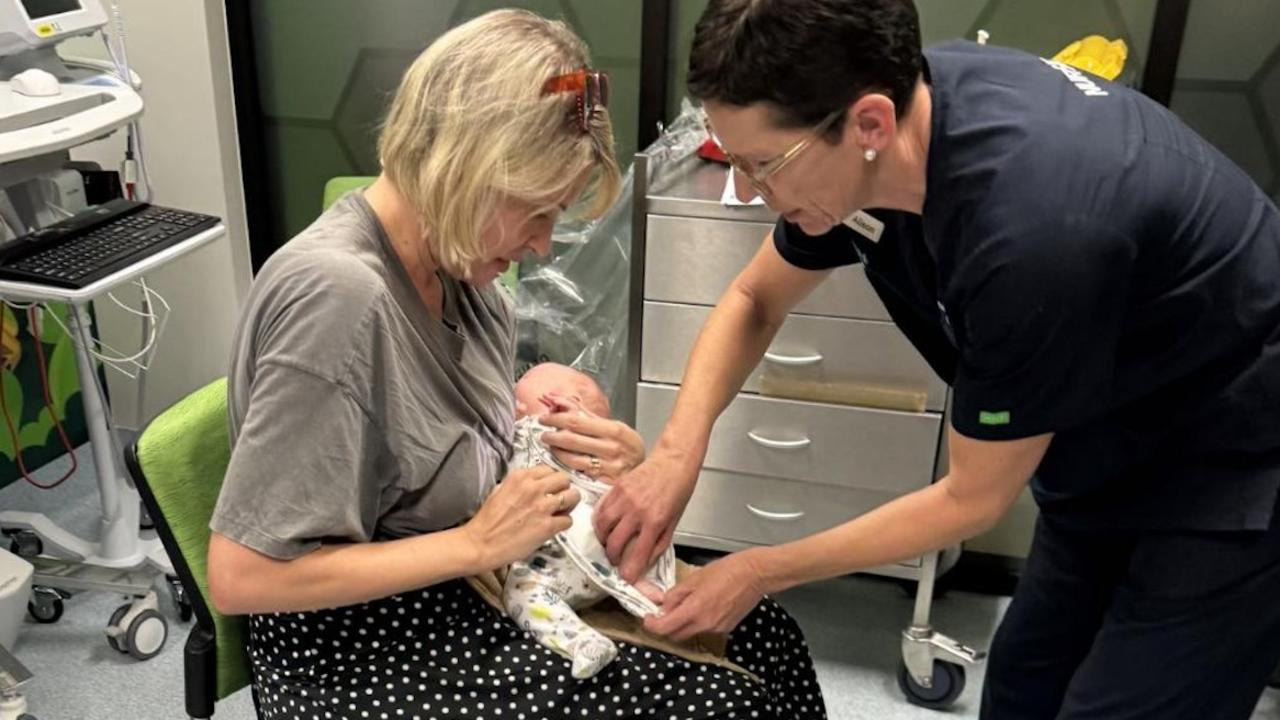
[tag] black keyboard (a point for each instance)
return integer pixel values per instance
(97, 242)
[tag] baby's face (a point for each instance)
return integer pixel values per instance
(549, 387)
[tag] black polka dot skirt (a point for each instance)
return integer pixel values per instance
(441, 652)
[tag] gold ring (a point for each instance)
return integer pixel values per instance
(559, 503)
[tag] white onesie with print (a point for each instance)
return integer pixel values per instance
(571, 571)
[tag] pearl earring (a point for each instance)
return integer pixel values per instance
(870, 154)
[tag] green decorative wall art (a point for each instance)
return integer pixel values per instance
(25, 412)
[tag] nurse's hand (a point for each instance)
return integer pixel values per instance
(526, 509)
(637, 519)
(713, 598)
(596, 446)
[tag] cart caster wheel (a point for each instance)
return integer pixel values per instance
(948, 683)
(26, 544)
(45, 605)
(178, 594)
(147, 634)
(116, 617)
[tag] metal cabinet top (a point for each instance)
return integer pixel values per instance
(693, 187)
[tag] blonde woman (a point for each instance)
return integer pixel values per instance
(372, 412)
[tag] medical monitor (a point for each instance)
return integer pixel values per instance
(35, 24)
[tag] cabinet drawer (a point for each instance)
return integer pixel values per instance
(808, 349)
(837, 445)
(693, 260)
(767, 511)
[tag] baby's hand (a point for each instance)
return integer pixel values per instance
(561, 403)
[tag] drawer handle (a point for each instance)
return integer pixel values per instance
(779, 444)
(774, 515)
(793, 360)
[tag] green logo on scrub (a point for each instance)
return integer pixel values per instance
(994, 418)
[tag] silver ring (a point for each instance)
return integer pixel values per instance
(596, 466)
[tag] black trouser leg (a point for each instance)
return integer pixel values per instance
(1059, 606)
(1193, 631)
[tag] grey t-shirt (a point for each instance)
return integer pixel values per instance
(355, 415)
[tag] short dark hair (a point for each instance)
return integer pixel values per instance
(805, 58)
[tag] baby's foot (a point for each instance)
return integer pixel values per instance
(650, 590)
(591, 653)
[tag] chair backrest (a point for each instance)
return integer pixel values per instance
(178, 463)
(336, 187)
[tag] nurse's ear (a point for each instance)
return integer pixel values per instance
(872, 122)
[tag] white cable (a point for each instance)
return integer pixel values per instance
(119, 358)
(96, 354)
(119, 32)
(143, 185)
(115, 58)
(131, 311)
(148, 325)
(119, 53)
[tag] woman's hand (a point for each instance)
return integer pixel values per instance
(526, 509)
(637, 519)
(713, 598)
(596, 446)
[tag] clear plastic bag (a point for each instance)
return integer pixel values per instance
(572, 307)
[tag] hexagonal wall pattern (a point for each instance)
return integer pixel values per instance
(1267, 92)
(364, 101)
(557, 9)
(309, 48)
(328, 67)
(1224, 117)
(1228, 40)
(947, 19)
(1044, 27)
(311, 154)
(1228, 85)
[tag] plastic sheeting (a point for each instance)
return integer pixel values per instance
(572, 307)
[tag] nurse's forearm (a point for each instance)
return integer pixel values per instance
(242, 581)
(926, 520)
(728, 349)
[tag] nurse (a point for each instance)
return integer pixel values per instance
(1100, 287)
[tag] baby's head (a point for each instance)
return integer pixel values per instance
(549, 387)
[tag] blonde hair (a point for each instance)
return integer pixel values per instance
(469, 125)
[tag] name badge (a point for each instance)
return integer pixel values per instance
(865, 225)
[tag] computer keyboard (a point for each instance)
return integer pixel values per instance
(97, 242)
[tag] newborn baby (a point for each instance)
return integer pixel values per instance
(571, 571)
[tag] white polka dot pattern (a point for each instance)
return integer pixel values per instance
(442, 653)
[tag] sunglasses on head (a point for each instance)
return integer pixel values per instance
(591, 88)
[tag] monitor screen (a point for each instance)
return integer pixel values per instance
(37, 9)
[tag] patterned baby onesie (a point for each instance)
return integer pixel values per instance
(571, 571)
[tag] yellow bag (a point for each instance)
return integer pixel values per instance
(1096, 54)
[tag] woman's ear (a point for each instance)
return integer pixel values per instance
(874, 121)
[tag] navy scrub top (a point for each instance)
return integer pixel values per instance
(1087, 265)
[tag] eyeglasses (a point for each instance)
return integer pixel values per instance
(759, 176)
(591, 88)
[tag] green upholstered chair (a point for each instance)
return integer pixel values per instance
(178, 463)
